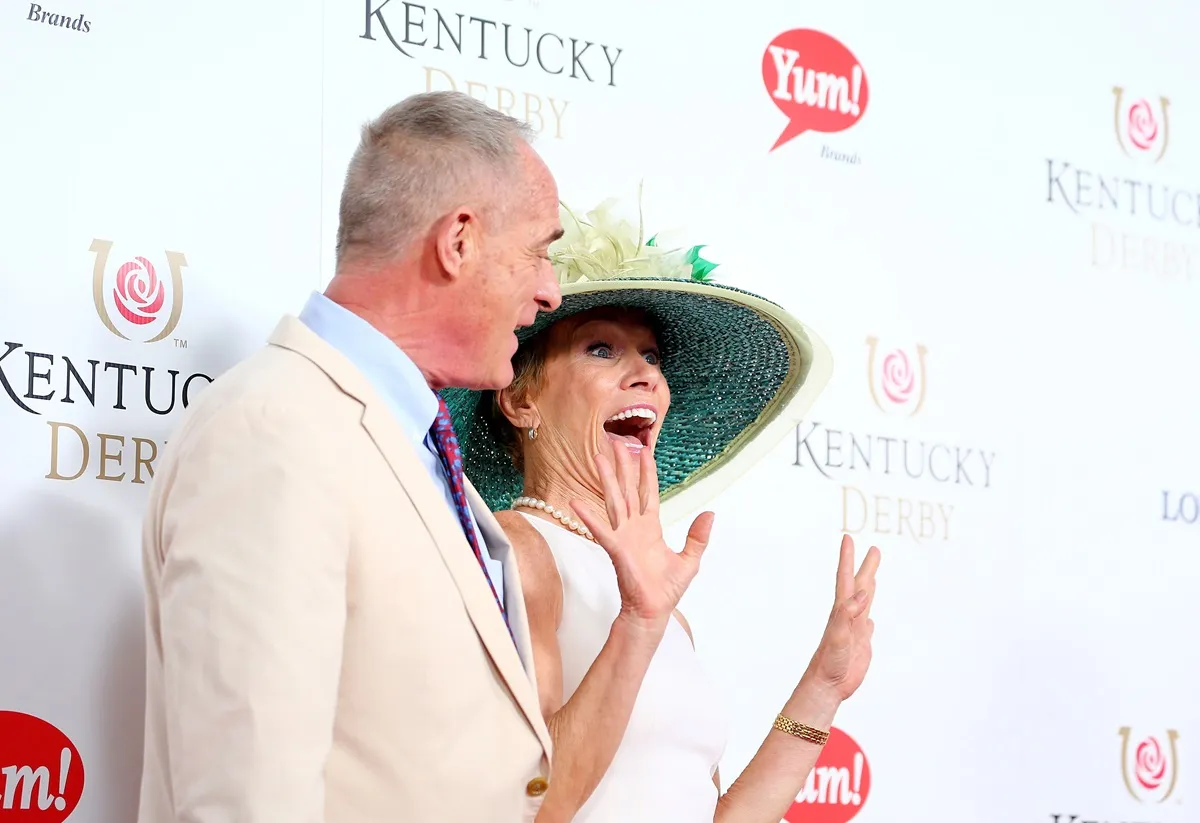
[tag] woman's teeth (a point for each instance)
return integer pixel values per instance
(625, 415)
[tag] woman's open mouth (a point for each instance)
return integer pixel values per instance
(631, 427)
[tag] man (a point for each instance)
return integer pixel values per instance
(327, 596)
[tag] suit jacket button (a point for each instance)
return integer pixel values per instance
(536, 787)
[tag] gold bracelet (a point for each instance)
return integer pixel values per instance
(786, 724)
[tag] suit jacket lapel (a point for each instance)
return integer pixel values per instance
(443, 525)
(500, 549)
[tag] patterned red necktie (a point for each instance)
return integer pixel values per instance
(448, 450)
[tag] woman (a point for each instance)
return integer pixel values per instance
(648, 381)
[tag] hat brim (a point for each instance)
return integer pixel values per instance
(742, 373)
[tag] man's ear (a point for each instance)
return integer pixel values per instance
(518, 408)
(457, 240)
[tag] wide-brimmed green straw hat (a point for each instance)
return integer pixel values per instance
(742, 371)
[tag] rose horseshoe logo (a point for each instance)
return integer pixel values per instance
(899, 380)
(138, 295)
(1141, 131)
(1151, 767)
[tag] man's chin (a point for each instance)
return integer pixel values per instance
(499, 378)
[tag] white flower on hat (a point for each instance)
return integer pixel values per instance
(603, 246)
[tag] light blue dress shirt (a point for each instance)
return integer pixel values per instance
(401, 385)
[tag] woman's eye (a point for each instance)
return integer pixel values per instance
(600, 350)
(652, 358)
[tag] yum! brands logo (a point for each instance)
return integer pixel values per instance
(817, 83)
(1150, 765)
(838, 785)
(139, 297)
(900, 481)
(41, 773)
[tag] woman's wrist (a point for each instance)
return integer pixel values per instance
(813, 702)
(639, 629)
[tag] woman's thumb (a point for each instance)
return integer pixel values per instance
(698, 534)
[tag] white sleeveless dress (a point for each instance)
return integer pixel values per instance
(677, 732)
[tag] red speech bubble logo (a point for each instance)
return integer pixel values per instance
(815, 81)
(41, 774)
(838, 785)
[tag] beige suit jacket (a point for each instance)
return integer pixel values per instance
(322, 645)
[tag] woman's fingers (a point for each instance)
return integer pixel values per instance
(844, 587)
(865, 579)
(648, 484)
(628, 477)
(612, 492)
(621, 461)
(866, 572)
(840, 632)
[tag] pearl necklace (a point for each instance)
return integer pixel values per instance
(559, 515)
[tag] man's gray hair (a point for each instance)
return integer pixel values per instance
(415, 161)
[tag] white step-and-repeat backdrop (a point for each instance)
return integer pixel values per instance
(991, 214)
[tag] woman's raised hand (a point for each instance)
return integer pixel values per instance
(652, 578)
(841, 660)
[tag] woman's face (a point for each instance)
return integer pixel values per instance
(601, 383)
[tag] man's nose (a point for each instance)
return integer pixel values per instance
(549, 293)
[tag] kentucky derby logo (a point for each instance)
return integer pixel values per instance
(896, 378)
(1141, 125)
(1149, 767)
(136, 302)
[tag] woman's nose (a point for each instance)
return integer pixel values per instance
(642, 375)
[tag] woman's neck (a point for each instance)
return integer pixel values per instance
(559, 490)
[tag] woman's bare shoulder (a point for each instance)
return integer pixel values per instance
(539, 573)
(520, 532)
